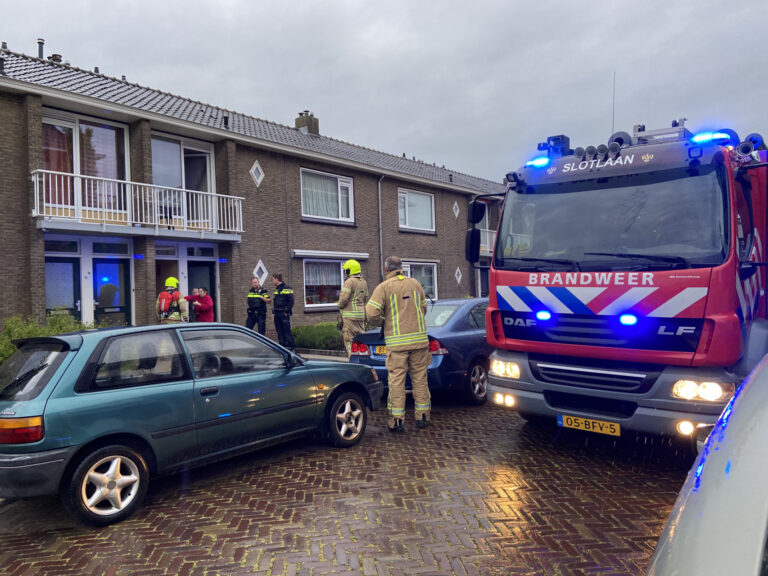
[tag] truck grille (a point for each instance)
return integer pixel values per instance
(594, 331)
(606, 377)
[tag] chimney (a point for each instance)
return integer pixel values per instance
(40, 44)
(55, 58)
(96, 69)
(307, 123)
(5, 46)
(124, 78)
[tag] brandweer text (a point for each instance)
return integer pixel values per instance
(598, 278)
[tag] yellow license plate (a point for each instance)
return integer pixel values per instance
(382, 350)
(589, 425)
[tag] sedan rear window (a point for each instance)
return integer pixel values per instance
(439, 314)
(24, 375)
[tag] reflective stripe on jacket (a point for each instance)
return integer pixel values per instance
(401, 302)
(283, 299)
(353, 297)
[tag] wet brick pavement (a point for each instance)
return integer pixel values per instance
(478, 492)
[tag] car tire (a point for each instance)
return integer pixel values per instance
(347, 420)
(122, 476)
(477, 382)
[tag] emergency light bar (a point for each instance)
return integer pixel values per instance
(539, 162)
(707, 137)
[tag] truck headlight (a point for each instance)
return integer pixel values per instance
(505, 369)
(707, 391)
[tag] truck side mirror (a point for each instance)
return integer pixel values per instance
(472, 245)
(475, 211)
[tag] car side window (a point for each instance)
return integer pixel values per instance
(138, 360)
(222, 352)
(477, 316)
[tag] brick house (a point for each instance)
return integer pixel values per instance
(109, 187)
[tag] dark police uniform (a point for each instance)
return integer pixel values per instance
(257, 309)
(282, 310)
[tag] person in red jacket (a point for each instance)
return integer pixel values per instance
(203, 306)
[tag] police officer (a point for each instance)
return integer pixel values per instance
(399, 304)
(176, 304)
(258, 298)
(354, 295)
(282, 310)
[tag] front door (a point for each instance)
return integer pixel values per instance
(62, 286)
(203, 275)
(111, 292)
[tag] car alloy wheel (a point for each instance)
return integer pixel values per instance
(107, 486)
(347, 420)
(477, 378)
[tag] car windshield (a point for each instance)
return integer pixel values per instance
(661, 220)
(24, 375)
(438, 314)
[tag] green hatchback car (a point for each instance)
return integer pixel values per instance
(93, 415)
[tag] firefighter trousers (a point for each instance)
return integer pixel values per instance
(415, 363)
(352, 327)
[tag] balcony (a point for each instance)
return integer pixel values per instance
(85, 203)
(487, 241)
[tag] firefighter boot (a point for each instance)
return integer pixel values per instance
(396, 425)
(423, 423)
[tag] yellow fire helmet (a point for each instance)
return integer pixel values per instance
(352, 267)
(172, 282)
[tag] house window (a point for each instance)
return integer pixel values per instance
(322, 282)
(179, 164)
(416, 210)
(327, 196)
(426, 274)
(85, 147)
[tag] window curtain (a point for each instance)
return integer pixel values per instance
(319, 195)
(322, 273)
(426, 276)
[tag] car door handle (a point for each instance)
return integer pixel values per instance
(210, 391)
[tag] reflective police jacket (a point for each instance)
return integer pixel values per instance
(257, 301)
(400, 303)
(283, 299)
(353, 297)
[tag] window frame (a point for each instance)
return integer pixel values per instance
(407, 264)
(404, 193)
(323, 305)
(340, 180)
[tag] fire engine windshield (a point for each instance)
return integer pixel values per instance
(656, 220)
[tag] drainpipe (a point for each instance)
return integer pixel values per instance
(381, 235)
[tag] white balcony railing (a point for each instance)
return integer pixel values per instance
(487, 240)
(88, 199)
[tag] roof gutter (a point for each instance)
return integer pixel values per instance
(26, 87)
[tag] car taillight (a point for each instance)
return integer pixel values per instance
(436, 348)
(360, 349)
(21, 430)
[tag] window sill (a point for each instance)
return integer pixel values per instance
(417, 231)
(328, 221)
(310, 308)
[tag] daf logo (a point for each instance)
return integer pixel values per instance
(647, 158)
(680, 331)
(523, 322)
(552, 170)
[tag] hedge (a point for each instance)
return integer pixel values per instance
(321, 336)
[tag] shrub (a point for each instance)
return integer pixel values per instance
(17, 327)
(321, 336)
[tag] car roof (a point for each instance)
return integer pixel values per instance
(718, 524)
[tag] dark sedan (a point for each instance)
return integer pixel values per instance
(93, 415)
(456, 330)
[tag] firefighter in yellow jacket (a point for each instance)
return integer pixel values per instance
(354, 295)
(399, 304)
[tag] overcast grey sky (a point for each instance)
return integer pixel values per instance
(470, 84)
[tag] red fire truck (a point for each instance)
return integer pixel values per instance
(627, 281)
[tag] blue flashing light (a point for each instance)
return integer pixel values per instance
(225, 415)
(706, 137)
(539, 162)
(105, 279)
(138, 256)
(543, 315)
(628, 319)
(222, 260)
